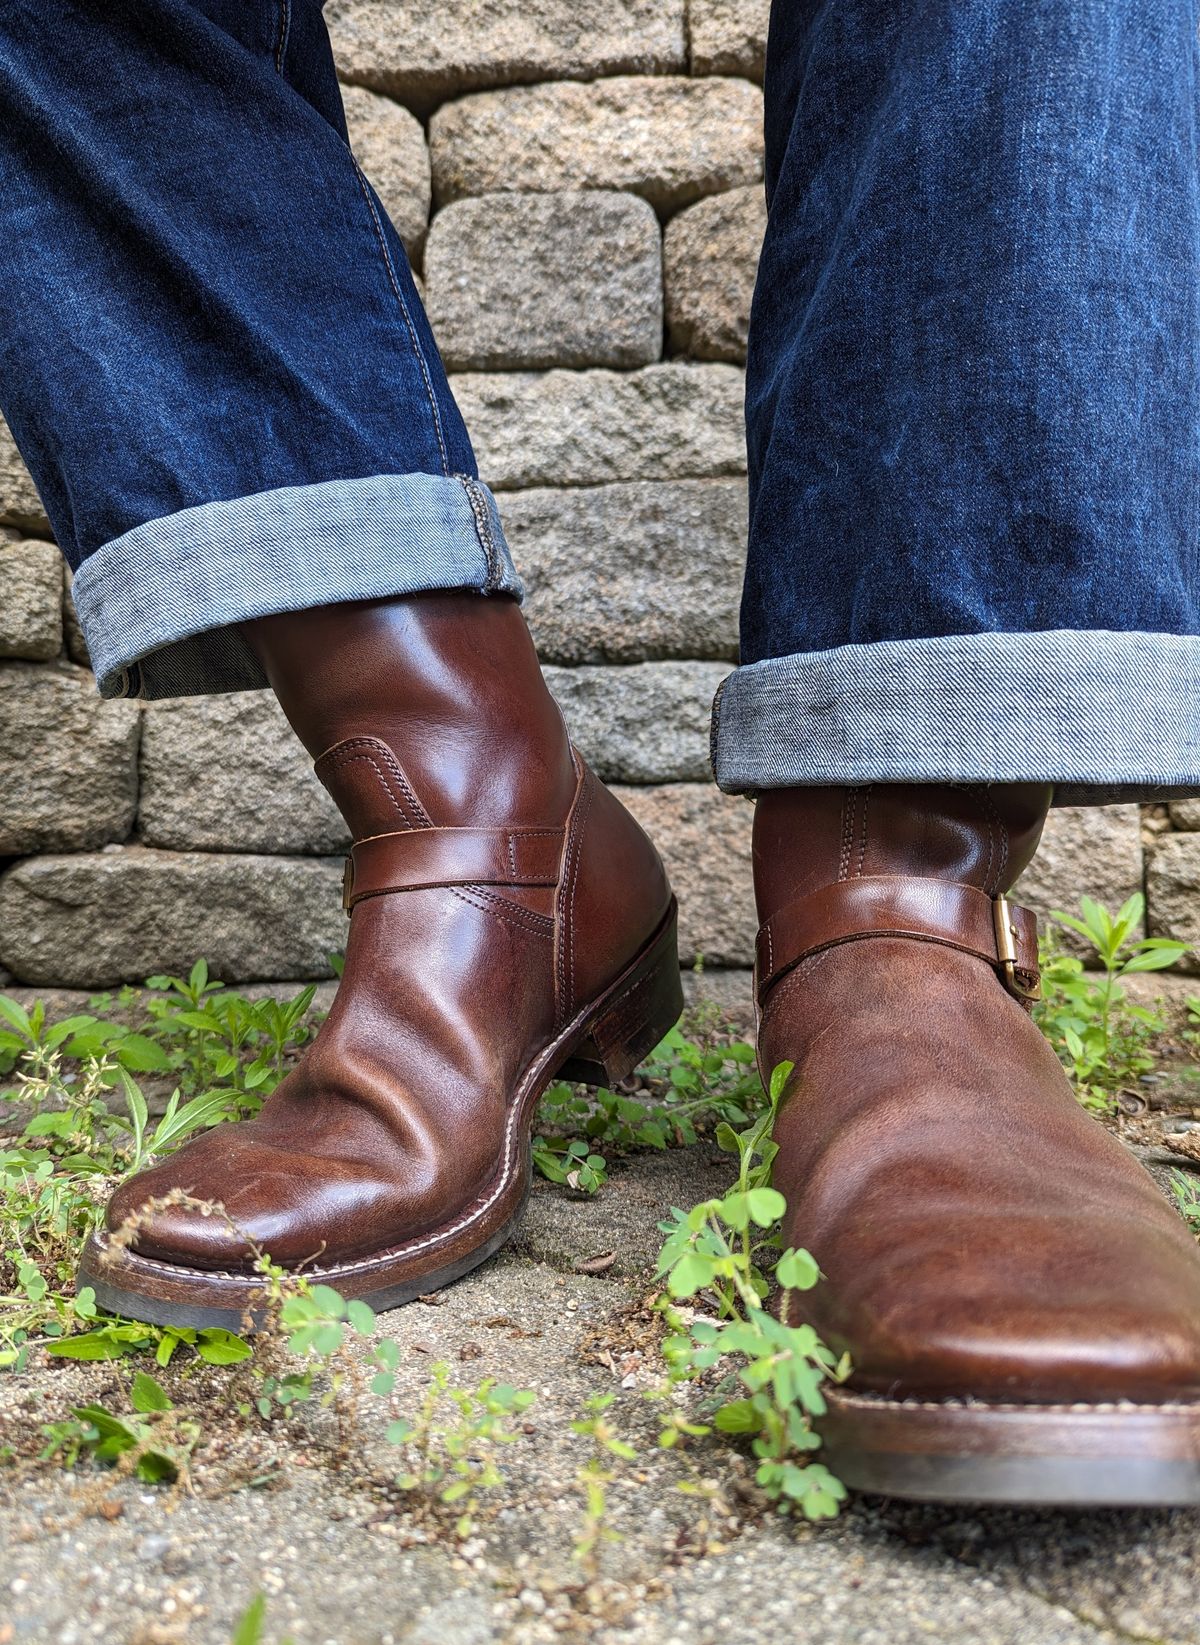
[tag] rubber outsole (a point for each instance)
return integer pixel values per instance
(1109, 1455)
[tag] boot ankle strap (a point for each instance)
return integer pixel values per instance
(417, 858)
(958, 916)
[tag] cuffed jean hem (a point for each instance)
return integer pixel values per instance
(159, 605)
(1103, 716)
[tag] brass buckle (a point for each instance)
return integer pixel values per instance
(347, 884)
(1024, 984)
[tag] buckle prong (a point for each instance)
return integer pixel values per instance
(347, 884)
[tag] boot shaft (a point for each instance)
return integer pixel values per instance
(980, 835)
(424, 710)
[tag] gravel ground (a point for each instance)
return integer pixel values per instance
(89, 1556)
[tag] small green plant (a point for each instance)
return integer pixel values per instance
(1186, 1190)
(594, 1478)
(248, 1629)
(721, 1252)
(154, 1442)
(114, 1338)
(315, 1324)
(91, 1125)
(690, 1087)
(568, 1160)
(449, 1463)
(213, 1036)
(1102, 1040)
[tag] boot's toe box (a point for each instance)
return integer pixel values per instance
(228, 1198)
(1080, 1325)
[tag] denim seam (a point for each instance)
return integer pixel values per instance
(285, 27)
(483, 528)
(422, 363)
(714, 722)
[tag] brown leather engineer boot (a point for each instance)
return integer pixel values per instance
(1021, 1304)
(510, 924)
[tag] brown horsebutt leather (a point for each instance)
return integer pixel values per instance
(982, 1237)
(495, 889)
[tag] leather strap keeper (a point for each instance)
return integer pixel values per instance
(422, 857)
(959, 916)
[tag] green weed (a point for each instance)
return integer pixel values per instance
(91, 1125)
(719, 1256)
(1103, 1041)
(153, 1442)
(690, 1086)
(1186, 1190)
(448, 1462)
(594, 1478)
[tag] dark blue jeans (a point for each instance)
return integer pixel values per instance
(973, 398)
(212, 354)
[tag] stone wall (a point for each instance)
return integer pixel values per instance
(578, 184)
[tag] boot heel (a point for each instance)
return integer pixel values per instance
(635, 1016)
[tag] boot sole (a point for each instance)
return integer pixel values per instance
(603, 1044)
(1119, 1455)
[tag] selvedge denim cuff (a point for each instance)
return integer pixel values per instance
(158, 606)
(1102, 715)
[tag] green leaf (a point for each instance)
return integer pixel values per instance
(205, 1022)
(327, 1339)
(68, 1026)
(1073, 924)
(738, 1417)
(797, 1271)
(148, 1395)
(780, 1075)
(734, 1210)
(88, 1345)
(46, 1124)
(142, 1055)
(361, 1316)
(329, 1301)
(766, 1206)
(248, 1630)
(106, 1425)
(16, 1017)
(689, 1275)
(1155, 958)
(175, 1126)
(217, 1346)
(1130, 913)
(157, 1467)
(136, 1104)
